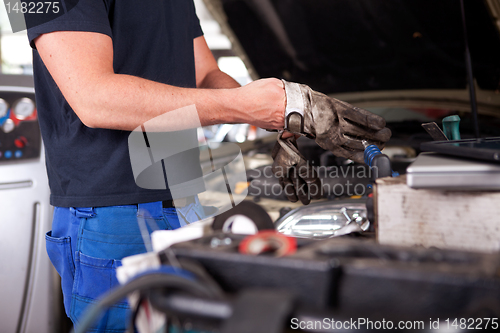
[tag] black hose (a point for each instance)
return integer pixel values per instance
(202, 275)
(190, 306)
(142, 283)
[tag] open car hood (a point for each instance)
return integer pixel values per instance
(406, 53)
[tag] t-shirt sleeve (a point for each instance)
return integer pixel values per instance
(195, 24)
(86, 15)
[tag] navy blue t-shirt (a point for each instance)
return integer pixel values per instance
(152, 39)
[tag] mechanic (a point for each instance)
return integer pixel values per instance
(101, 70)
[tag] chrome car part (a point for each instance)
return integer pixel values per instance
(324, 220)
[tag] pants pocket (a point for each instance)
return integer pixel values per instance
(93, 278)
(59, 252)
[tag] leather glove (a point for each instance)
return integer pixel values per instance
(296, 176)
(335, 125)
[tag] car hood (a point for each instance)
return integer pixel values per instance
(404, 53)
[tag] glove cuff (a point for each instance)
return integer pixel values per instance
(294, 111)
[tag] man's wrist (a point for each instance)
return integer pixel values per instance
(295, 108)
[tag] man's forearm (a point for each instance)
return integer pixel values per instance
(213, 107)
(104, 99)
(125, 102)
(217, 79)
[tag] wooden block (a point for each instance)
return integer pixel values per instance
(444, 219)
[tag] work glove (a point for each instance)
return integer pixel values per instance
(297, 178)
(335, 125)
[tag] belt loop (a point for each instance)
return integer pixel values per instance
(82, 211)
(150, 209)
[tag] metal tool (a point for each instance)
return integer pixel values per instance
(434, 131)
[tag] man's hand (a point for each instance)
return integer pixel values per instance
(335, 125)
(263, 102)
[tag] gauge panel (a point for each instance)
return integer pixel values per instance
(4, 108)
(23, 108)
(20, 137)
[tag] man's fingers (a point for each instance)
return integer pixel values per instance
(355, 155)
(301, 188)
(361, 116)
(289, 189)
(275, 150)
(360, 133)
(307, 173)
(316, 189)
(287, 135)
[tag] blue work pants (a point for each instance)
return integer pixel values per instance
(86, 246)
